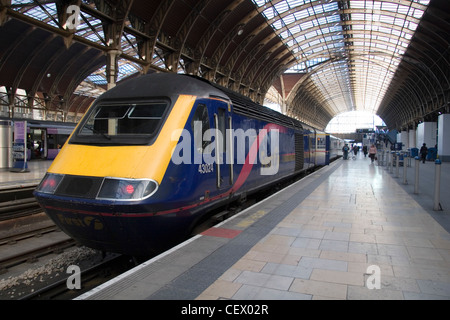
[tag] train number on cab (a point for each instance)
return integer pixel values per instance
(205, 168)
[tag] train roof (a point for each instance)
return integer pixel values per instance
(160, 85)
(245, 106)
(171, 85)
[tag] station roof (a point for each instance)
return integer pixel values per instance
(324, 57)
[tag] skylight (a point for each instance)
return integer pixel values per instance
(350, 49)
(90, 28)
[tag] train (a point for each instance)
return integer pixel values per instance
(44, 138)
(155, 155)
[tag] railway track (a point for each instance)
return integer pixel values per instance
(106, 269)
(35, 253)
(25, 239)
(18, 202)
(14, 238)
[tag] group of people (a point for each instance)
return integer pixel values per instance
(372, 151)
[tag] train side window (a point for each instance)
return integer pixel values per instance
(321, 143)
(200, 124)
(51, 141)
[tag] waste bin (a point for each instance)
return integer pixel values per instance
(432, 154)
(414, 152)
(401, 158)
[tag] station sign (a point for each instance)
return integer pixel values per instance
(365, 130)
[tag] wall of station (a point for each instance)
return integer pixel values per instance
(444, 137)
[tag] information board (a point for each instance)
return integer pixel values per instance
(19, 149)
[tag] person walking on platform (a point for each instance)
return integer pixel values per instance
(372, 152)
(423, 152)
(345, 150)
(365, 151)
(355, 150)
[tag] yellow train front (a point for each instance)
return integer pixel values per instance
(134, 176)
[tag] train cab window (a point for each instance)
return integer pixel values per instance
(200, 124)
(117, 123)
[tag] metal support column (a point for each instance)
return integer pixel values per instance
(405, 177)
(416, 183)
(397, 164)
(437, 186)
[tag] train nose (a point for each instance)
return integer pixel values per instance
(87, 228)
(110, 228)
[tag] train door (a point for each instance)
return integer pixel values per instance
(327, 149)
(322, 149)
(224, 152)
(37, 140)
(312, 148)
(307, 147)
(299, 151)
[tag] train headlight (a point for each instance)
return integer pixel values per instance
(127, 189)
(50, 183)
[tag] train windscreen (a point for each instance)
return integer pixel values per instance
(122, 123)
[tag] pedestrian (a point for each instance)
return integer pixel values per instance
(345, 150)
(365, 151)
(423, 152)
(372, 152)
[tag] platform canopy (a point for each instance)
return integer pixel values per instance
(322, 57)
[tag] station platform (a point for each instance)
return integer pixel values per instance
(37, 170)
(349, 231)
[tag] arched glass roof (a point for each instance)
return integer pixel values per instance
(90, 28)
(347, 52)
(350, 49)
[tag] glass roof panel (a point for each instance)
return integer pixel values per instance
(350, 49)
(43, 12)
(90, 28)
(281, 7)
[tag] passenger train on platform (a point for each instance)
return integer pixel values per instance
(155, 154)
(44, 138)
